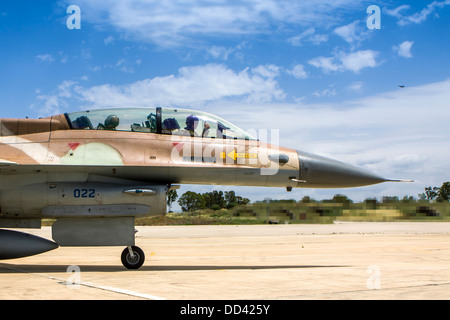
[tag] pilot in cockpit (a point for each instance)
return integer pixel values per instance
(220, 128)
(170, 126)
(111, 123)
(191, 125)
(192, 122)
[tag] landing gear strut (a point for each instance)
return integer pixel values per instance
(133, 257)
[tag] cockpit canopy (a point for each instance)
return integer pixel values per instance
(157, 120)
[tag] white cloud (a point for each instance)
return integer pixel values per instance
(45, 58)
(353, 61)
(404, 49)
(223, 53)
(298, 71)
(326, 64)
(355, 86)
(174, 23)
(297, 40)
(191, 86)
(358, 60)
(54, 102)
(417, 17)
(65, 89)
(86, 53)
(125, 65)
(220, 52)
(120, 62)
(396, 12)
(267, 71)
(95, 69)
(317, 39)
(325, 92)
(309, 35)
(108, 40)
(353, 32)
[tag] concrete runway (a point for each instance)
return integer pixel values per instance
(405, 260)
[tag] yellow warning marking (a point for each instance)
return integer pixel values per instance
(236, 155)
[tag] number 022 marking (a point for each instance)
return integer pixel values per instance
(84, 193)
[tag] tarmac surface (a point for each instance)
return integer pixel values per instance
(402, 260)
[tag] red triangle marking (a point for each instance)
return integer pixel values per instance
(73, 145)
(178, 145)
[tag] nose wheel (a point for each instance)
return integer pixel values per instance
(132, 257)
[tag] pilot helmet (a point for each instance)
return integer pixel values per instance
(111, 122)
(221, 126)
(190, 121)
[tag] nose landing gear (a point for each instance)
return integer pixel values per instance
(132, 257)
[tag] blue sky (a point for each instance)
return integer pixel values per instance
(310, 69)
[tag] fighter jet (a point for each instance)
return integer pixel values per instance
(95, 171)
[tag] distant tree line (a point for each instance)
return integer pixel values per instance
(215, 200)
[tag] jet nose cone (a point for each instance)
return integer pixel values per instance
(321, 172)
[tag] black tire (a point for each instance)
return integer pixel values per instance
(133, 263)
